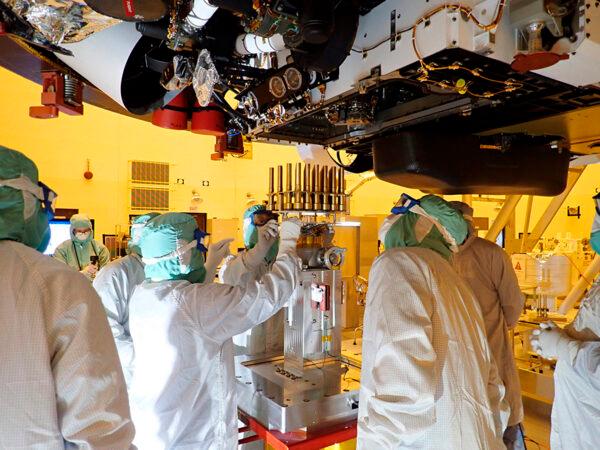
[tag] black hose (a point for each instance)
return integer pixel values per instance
(153, 30)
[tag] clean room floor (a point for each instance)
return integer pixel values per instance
(537, 424)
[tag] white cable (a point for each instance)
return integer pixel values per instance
(251, 44)
(201, 13)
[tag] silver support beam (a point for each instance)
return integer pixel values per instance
(527, 220)
(503, 217)
(552, 209)
(585, 281)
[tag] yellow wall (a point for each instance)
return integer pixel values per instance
(61, 147)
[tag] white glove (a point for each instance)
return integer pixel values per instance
(289, 235)
(215, 255)
(549, 341)
(267, 236)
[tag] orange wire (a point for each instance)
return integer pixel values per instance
(510, 85)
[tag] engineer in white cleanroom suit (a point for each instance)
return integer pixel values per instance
(488, 271)
(183, 387)
(428, 378)
(115, 284)
(252, 264)
(61, 385)
(576, 407)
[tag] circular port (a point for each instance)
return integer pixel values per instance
(277, 87)
(293, 78)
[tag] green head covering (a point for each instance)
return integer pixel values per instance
(171, 250)
(430, 222)
(595, 235)
(251, 233)
(23, 218)
(250, 230)
(81, 221)
(137, 225)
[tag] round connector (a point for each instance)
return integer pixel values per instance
(277, 87)
(293, 78)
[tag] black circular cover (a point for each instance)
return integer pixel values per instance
(131, 10)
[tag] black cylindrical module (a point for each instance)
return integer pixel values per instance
(152, 29)
(316, 21)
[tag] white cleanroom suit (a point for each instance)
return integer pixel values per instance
(61, 385)
(115, 284)
(488, 271)
(183, 388)
(60, 379)
(428, 378)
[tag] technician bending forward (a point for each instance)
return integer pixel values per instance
(428, 378)
(488, 271)
(183, 388)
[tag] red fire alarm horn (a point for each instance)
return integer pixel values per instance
(88, 174)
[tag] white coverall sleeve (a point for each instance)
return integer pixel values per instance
(92, 403)
(583, 356)
(237, 272)
(225, 311)
(112, 288)
(507, 286)
(404, 375)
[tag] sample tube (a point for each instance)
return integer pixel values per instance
(298, 203)
(313, 187)
(280, 206)
(333, 180)
(325, 190)
(271, 188)
(308, 203)
(289, 205)
(318, 188)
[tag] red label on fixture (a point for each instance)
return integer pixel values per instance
(129, 8)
